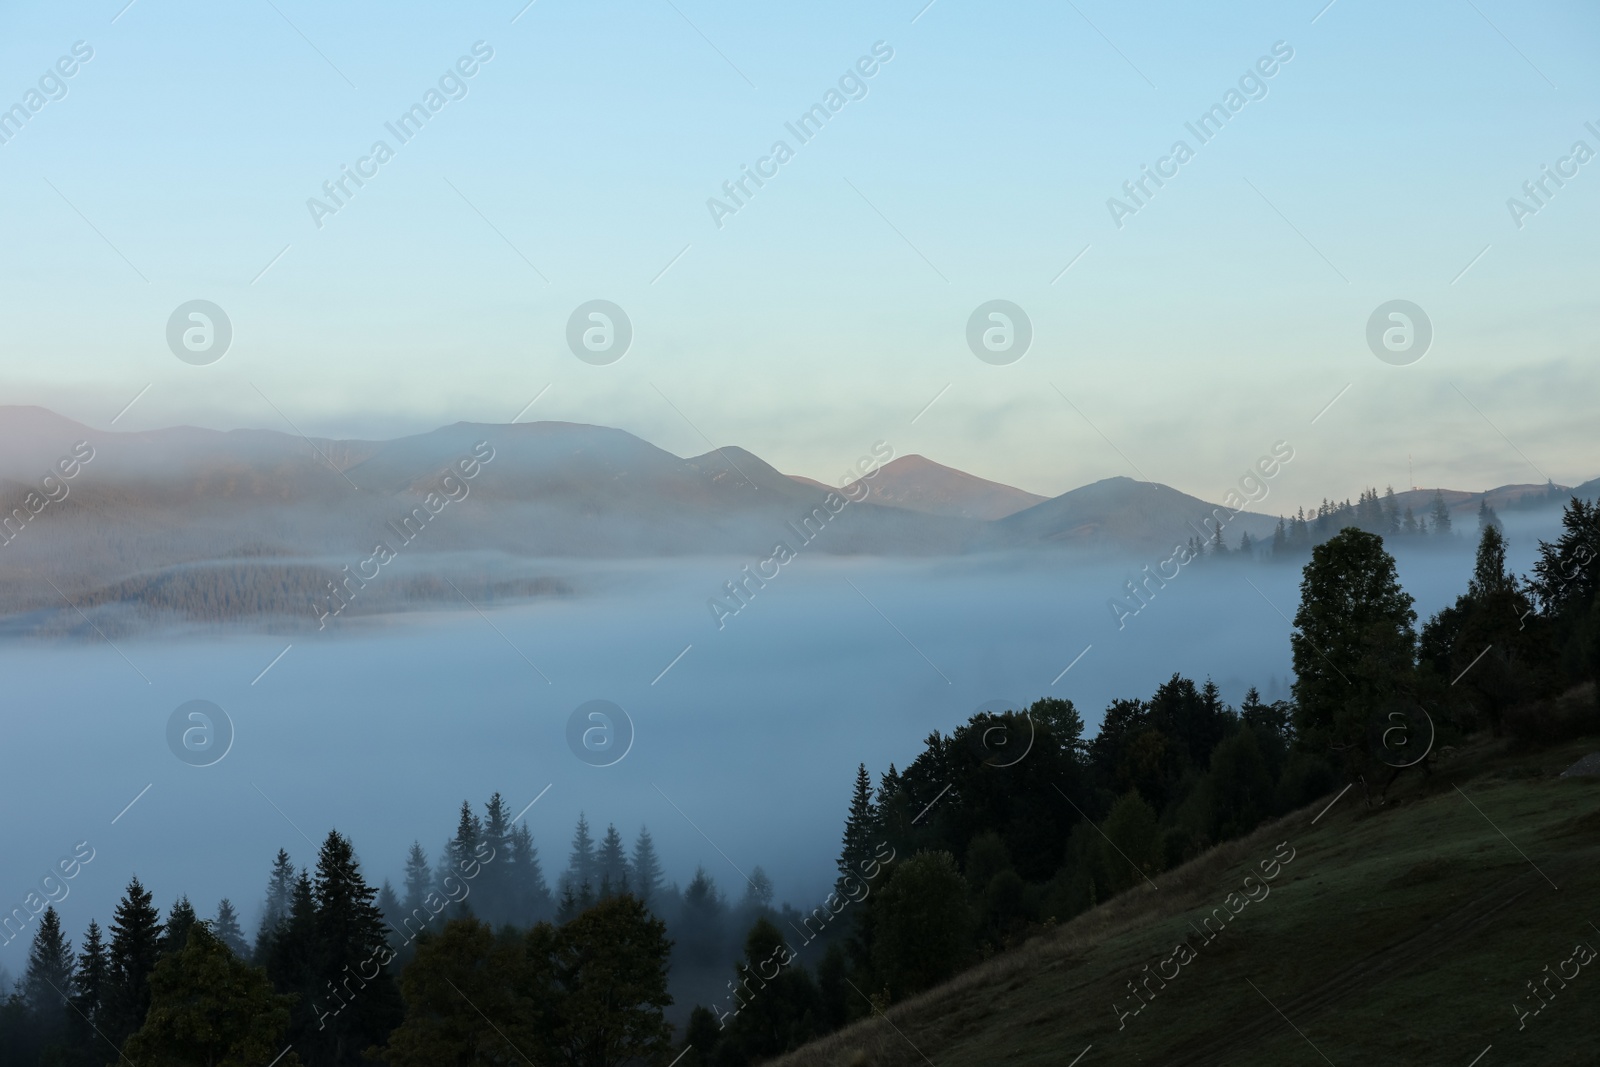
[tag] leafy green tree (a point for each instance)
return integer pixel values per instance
(1134, 843)
(1238, 786)
(135, 947)
(1354, 643)
(210, 1009)
(922, 924)
(779, 1006)
(463, 975)
(608, 984)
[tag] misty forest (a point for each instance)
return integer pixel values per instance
(490, 947)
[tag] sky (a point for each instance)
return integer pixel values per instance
(1174, 339)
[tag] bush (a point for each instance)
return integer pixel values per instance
(1573, 714)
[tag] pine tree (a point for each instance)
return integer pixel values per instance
(419, 879)
(493, 884)
(611, 861)
(280, 893)
(226, 927)
(47, 981)
(351, 937)
(135, 947)
(1440, 515)
(1391, 511)
(1409, 524)
(292, 955)
(861, 830)
(89, 980)
(581, 861)
(1247, 546)
(1280, 540)
(389, 908)
(463, 847)
(646, 868)
(1487, 517)
(757, 892)
(530, 894)
(180, 920)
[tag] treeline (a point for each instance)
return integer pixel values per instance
(1016, 822)
(1012, 823)
(1295, 535)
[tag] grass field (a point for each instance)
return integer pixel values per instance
(1398, 934)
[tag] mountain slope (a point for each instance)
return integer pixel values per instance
(917, 483)
(1396, 934)
(1123, 513)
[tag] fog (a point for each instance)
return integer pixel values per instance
(744, 749)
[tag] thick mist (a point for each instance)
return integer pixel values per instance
(744, 747)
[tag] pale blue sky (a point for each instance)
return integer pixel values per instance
(831, 309)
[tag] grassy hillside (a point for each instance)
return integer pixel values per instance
(1401, 933)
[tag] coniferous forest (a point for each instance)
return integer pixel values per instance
(488, 951)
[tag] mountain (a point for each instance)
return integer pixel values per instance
(917, 483)
(218, 525)
(1127, 514)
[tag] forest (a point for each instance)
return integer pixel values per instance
(1010, 824)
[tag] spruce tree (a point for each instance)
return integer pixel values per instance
(861, 830)
(530, 894)
(611, 861)
(351, 937)
(646, 868)
(180, 920)
(293, 956)
(280, 893)
(419, 879)
(1440, 515)
(493, 884)
(88, 998)
(47, 981)
(135, 947)
(581, 861)
(226, 927)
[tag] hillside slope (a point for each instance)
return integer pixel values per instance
(1395, 934)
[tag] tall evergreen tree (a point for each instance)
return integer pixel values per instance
(135, 947)
(493, 886)
(180, 920)
(419, 878)
(353, 943)
(464, 845)
(1487, 517)
(47, 982)
(581, 860)
(292, 957)
(530, 893)
(612, 862)
(861, 829)
(647, 877)
(89, 979)
(1440, 515)
(226, 927)
(88, 997)
(280, 894)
